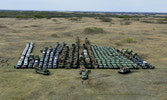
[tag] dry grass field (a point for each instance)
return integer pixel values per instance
(149, 41)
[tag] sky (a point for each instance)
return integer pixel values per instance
(86, 5)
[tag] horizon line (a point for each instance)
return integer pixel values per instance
(85, 11)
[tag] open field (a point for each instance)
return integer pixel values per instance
(149, 41)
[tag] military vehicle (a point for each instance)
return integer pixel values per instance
(19, 64)
(108, 57)
(37, 57)
(72, 57)
(64, 62)
(77, 50)
(135, 58)
(93, 56)
(90, 59)
(47, 57)
(42, 71)
(30, 49)
(27, 52)
(31, 57)
(25, 65)
(31, 61)
(26, 49)
(52, 54)
(55, 62)
(124, 70)
(36, 63)
(85, 58)
(21, 59)
(84, 76)
(50, 62)
(43, 56)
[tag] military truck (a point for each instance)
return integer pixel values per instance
(36, 63)
(25, 65)
(19, 64)
(31, 61)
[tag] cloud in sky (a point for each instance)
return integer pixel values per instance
(87, 5)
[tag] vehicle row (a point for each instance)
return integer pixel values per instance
(77, 56)
(135, 58)
(110, 58)
(24, 59)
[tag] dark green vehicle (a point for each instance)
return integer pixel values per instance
(84, 75)
(42, 71)
(124, 70)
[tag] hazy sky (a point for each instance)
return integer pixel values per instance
(86, 5)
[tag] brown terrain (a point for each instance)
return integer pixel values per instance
(149, 40)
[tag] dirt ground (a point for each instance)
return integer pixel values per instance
(66, 84)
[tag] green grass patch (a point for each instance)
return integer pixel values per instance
(125, 23)
(21, 17)
(118, 44)
(54, 35)
(34, 26)
(148, 21)
(54, 20)
(162, 21)
(125, 16)
(93, 30)
(128, 40)
(2, 26)
(105, 19)
(165, 19)
(67, 34)
(75, 18)
(135, 19)
(125, 19)
(38, 16)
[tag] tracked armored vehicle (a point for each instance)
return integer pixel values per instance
(42, 71)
